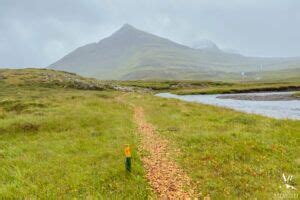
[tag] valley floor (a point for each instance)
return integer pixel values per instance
(68, 143)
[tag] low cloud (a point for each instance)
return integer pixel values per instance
(37, 33)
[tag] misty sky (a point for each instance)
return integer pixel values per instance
(35, 33)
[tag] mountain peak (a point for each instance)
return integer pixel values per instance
(126, 30)
(127, 27)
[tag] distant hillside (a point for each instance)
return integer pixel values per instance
(49, 78)
(130, 53)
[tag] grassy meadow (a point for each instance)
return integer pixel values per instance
(57, 141)
(64, 143)
(227, 153)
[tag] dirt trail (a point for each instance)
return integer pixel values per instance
(165, 177)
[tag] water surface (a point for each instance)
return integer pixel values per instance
(281, 109)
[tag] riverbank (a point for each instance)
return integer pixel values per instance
(296, 94)
(263, 97)
(242, 88)
(208, 87)
(279, 109)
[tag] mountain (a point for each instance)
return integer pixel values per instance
(130, 53)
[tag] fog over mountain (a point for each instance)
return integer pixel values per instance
(130, 53)
(37, 33)
(205, 44)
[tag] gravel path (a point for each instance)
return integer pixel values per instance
(165, 177)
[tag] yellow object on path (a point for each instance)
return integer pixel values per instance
(127, 151)
(127, 159)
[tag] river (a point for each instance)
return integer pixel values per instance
(279, 108)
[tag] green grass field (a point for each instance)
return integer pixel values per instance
(227, 153)
(61, 142)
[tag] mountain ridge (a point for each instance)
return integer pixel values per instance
(130, 53)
